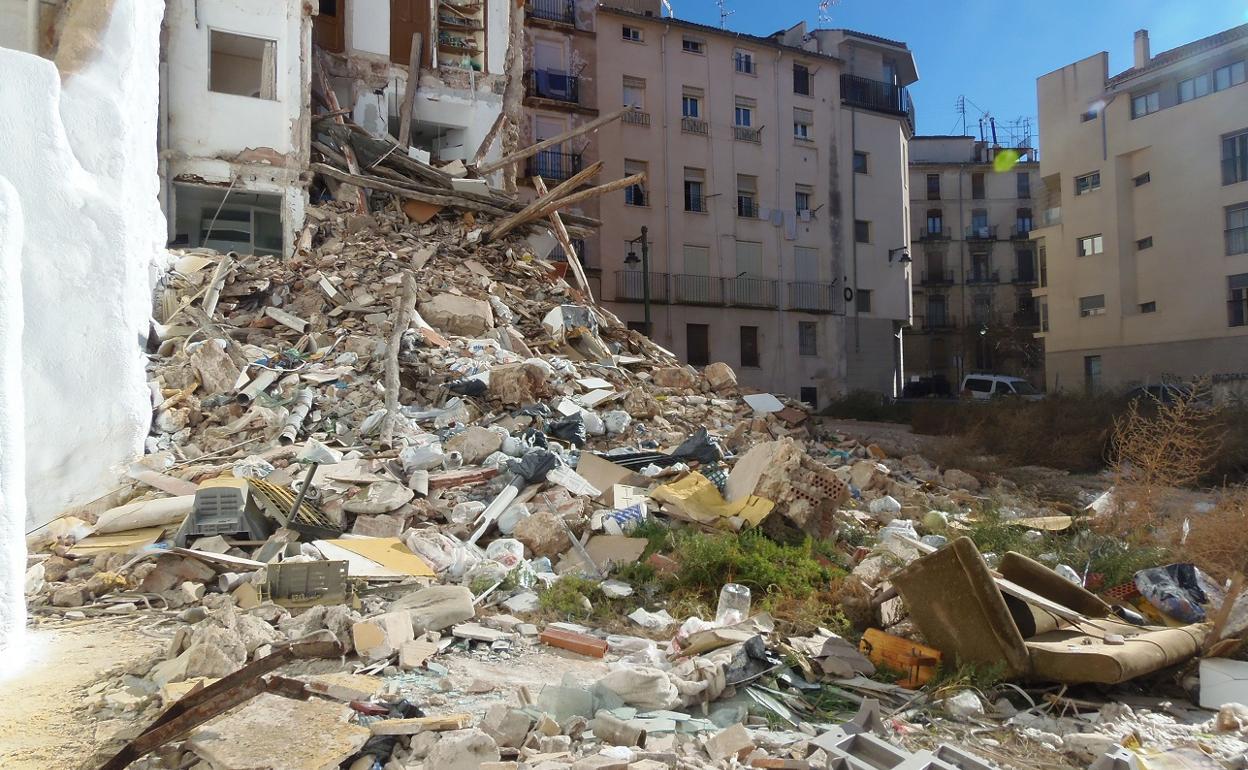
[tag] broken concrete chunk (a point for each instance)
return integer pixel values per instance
(216, 372)
(517, 384)
(379, 525)
(961, 480)
(434, 608)
(293, 735)
(732, 741)
(381, 497)
(680, 377)
(462, 316)
(475, 444)
(543, 534)
(462, 750)
(381, 636)
(720, 377)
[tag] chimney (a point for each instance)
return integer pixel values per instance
(1142, 56)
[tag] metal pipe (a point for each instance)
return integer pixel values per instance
(263, 380)
(298, 413)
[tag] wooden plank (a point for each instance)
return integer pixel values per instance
(421, 724)
(530, 212)
(593, 192)
(402, 318)
(1036, 600)
(361, 203)
(409, 93)
(545, 144)
(561, 234)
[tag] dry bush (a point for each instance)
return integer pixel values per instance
(1217, 541)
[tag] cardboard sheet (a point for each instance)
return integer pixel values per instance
(379, 557)
(116, 542)
(602, 474)
(698, 498)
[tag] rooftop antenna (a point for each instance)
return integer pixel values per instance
(825, 10)
(959, 106)
(724, 13)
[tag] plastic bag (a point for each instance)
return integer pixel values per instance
(506, 551)
(571, 430)
(468, 386)
(701, 446)
(534, 466)
(1179, 590)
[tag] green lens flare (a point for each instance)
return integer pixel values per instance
(1005, 160)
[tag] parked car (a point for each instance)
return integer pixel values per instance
(1167, 394)
(981, 387)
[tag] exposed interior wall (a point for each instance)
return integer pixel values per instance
(368, 27)
(81, 158)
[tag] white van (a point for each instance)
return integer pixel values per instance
(981, 387)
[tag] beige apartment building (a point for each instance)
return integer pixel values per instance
(776, 203)
(1145, 224)
(975, 264)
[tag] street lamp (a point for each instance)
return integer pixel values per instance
(905, 255)
(631, 259)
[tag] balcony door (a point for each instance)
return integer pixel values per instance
(549, 163)
(406, 18)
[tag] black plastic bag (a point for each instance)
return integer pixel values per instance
(701, 446)
(571, 430)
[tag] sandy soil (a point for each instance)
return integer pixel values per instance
(44, 721)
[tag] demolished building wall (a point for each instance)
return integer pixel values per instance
(80, 157)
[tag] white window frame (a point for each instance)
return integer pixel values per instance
(743, 62)
(1093, 183)
(1095, 244)
(631, 34)
(803, 124)
(1088, 312)
(699, 48)
(686, 100)
(1235, 75)
(1145, 104)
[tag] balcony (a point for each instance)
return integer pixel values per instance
(1237, 241)
(697, 290)
(695, 203)
(750, 292)
(985, 276)
(981, 233)
(812, 297)
(636, 117)
(934, 322)
(554, 86)
(747, 134)
(558, 254)
(934, 234)
(558, 11)
(553, 165)
(936, 278)
(1027, 277)
(695, 126)
(877, 96)
(1022, 230)
(1051, 216)
(630, 286)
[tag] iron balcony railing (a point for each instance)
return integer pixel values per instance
(554, 165)
(1236, 241)
(695, 202)
(1025, 277)
(983, 276)
(747, 208)
(556, 86)
(560, 11)
(694, 126)
(1022, 230)
(747, 134)
(630, 286)
(750, 292)
(981, 232)
(697, 290)
(937, 278)
(815, 297)
(877, 96)
(934, 234)
(636, 117)
(559, 254)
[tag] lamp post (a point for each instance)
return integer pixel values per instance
(631, 259)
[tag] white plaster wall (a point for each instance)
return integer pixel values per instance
(369, 27)
(82, 159)
(12, 432)
(497, 26)
(203, 123)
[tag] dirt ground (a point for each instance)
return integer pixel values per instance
(44, 720)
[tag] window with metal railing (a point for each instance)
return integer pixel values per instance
(1237, 229)
(1237, 305)
(560, 11)
(1235, 158)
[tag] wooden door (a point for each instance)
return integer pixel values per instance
(408, 17)
(329, 27)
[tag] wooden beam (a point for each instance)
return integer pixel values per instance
(450, 200)
(529, 212)
(592, 192)
(488, 141)
(534, 149)
(409, 93)
(406, 302)
(361, 203)
(561, 234)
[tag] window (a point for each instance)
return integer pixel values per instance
(1194, 88)
(802, 196)
(1093, 305)
(933, 187)
(634, 92)
(697, 344)
(207, 217)
(860, 163)
(1237, 229)
(1235, 158)
(802, 120)
(242, 65)
(632, 34)
(807, 338)
(1230, 75)
(1237, 305)
(749, 260)
(1148, 307)
(1087, 183)
(1092, 373)
(809, 395)
(744, 115)
(691, 103)
(862, 301)
(1022, 222)
(862, 231)
(747, 196)
(1023, 182)
(692, 45)
(1143, 179)
(1144, 243)
(979, 223)
(743, 61)
(1089, 115)
(936, 311)
(1145, 104)
(694, 186)
(749, 346)
(977, 186)
(1089, 245)
(801, 79)
(935, 222)
(981, 309)
(635, 194)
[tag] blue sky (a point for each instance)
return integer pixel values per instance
(990, 51)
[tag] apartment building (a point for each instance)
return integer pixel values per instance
(975, 263)
(1145, 224)
(775, 209)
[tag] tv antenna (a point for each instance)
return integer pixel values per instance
(724, 13)
(825, 10)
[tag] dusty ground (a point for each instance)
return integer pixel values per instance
(44, 721)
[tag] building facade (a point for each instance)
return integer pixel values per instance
(973, 208)
(1145, 225)
(775, 205)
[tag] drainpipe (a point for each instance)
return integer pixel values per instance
(781, 331)
(962, 267)
(853, 219)
(667, 197)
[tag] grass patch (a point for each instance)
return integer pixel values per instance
(751, 559)
(976, 676)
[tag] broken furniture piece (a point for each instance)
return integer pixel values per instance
(1058, 634)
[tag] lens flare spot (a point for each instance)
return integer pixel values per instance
(1005, 160)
